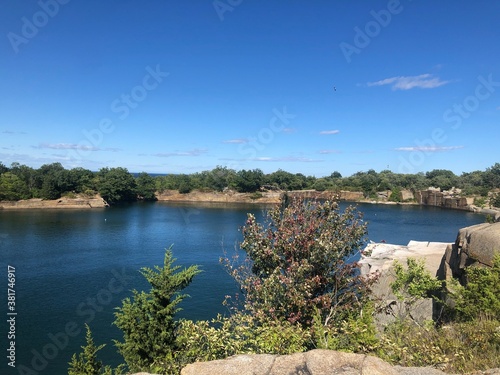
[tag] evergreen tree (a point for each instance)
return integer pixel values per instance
(86, 363)
(147, 319)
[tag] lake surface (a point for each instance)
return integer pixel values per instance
(75, 267)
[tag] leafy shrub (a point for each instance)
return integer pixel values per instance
(356, 333)
(456, 348)
(481, 295)
(298, 263)
(412, 285)
(495, 200)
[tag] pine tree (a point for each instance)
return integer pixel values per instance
(86, 363)
(147, 319)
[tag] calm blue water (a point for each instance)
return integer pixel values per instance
(74, 267)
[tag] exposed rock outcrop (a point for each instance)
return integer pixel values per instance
(380, 257)
(314, 362)
(475, 245)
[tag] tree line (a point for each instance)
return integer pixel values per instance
(52, 181)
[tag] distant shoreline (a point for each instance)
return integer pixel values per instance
(215, 197)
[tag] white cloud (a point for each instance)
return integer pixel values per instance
(287, 159)
(72, 146)
(13, 132)
(325, 152)
(429, 148)
(194, 152)
(327, 132)
(236, 141)
(422, 81)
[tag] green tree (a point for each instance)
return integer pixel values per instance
(146, 187)
(116, 185)
(55, 180)
(249, 181)
(31, 178)
(12, 188)
(298, 263)
(86, 363)
(492, 176)
(3, 168)
(147, 319)
(443, 178)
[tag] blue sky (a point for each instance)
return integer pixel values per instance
(306, 86)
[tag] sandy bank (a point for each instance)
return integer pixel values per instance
(62, 203)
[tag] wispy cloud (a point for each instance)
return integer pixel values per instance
(72, 146)
(326, 152)
(287, 159)
(329, 132)
(236, 141)
(429, 148)
(194, 152)
(13, 132)
(422, 81)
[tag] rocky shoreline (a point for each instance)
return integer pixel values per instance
(62, 203)
(229, 196)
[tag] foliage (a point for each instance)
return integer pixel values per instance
(298, 263)
(146, 187)
(12, 188)
(355, 333)
(480, 201)
(248, 181)
(116, 185)
(86, 363)
(456, 348)
(147, 319)
(395, 195)
(225, 336)
(413, 284)
(495, 200)
(481, 294)
(51, 181)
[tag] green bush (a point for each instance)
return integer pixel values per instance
(356, 333)
(296, 263)
(481, 294)
(456, 348)
(86, 363)
(147, 320)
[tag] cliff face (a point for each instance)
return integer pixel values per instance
(474, 245)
